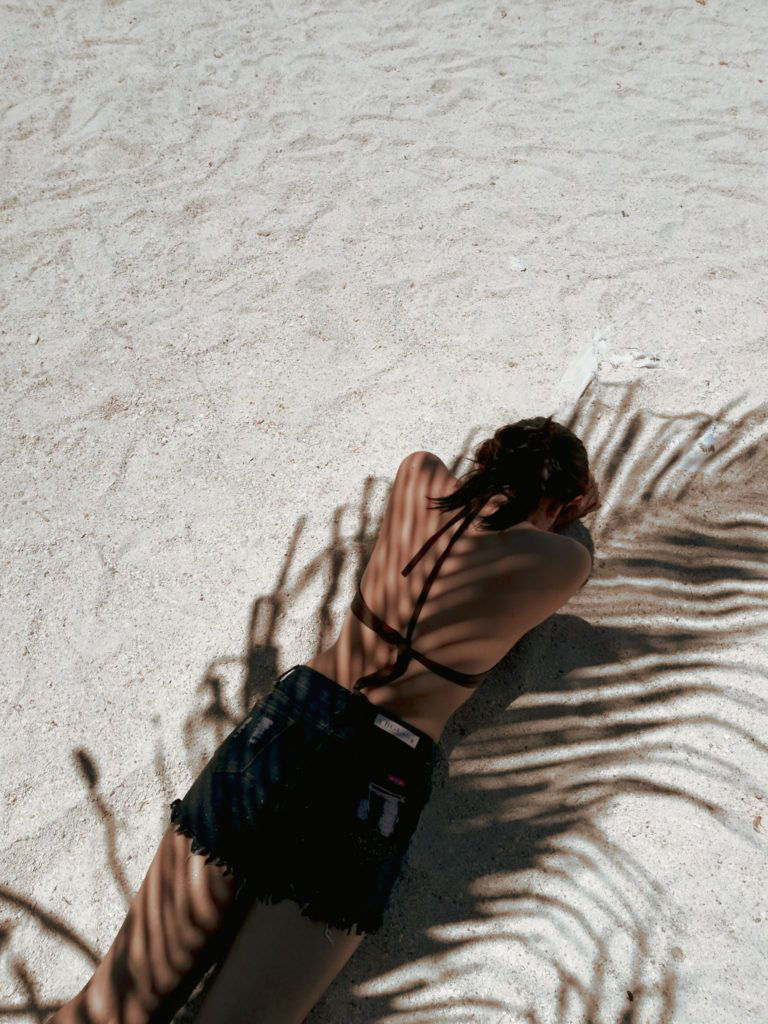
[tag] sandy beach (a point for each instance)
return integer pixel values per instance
(251, 255)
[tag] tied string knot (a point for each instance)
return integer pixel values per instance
(394, 637)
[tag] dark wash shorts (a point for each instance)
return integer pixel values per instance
(313, 797)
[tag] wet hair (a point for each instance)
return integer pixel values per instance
(526, 461)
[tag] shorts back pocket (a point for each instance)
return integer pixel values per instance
(252, 739)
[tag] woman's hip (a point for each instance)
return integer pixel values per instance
(314, 758)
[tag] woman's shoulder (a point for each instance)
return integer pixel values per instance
(568, 560)
(421, 458)
(545, 571)
(420, 463)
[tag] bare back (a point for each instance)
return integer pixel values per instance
(491, 590)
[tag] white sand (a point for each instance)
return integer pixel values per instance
(252, 255)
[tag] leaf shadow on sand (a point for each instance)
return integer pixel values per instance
(511, 874)
(517, 896)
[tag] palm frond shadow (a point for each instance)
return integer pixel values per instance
(626, 700)
(597, 710)
(601, 710)
(228, 688)
(46, 924)
(257, 666)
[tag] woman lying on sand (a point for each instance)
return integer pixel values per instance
(284, 853)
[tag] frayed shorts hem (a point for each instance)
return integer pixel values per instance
(313, 906)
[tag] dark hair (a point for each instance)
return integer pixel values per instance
(526, 461)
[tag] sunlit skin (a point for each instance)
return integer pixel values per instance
(491, 589)
(281, 963)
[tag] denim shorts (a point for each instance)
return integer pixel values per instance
(313, 797)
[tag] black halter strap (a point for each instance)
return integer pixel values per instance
(393, 636)
(436, 567)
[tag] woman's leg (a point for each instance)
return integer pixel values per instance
(180, 907)
(278, 967)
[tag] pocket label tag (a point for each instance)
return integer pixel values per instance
(397, 730)
(264, 723)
